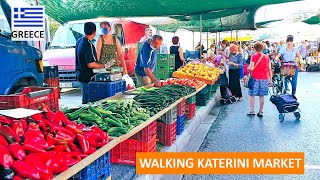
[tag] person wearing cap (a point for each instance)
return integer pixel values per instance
(86, 59)
(290, 54)
(147, 35)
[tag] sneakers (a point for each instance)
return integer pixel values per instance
(251, 114)
(260, 114)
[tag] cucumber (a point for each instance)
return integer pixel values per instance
(95, 111)
(115, 134)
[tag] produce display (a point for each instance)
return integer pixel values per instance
(157, 99)
(198, 71)
(186, 82)
(116, 117)
(43, 145)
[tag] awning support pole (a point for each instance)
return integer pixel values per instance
(193, 40)
(208, 39)
(201, 36)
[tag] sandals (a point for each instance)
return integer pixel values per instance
(251, 114)
(260, 114)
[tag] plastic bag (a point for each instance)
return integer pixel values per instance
(129, 81)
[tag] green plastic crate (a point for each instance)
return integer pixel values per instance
(162, 75)
(213, 87)
(191, 99)
(165, 60)
(164, 68)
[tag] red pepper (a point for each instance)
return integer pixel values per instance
(24, 124)
(37, 117)
(3, 141)
(64, 136)
(34, 134)
(73, 147)
(102, 133)
(83, 142)
(82, 126)
(54, 141)
(25, 170)
(45, 108)
(35, 161)
(62, 118)
(73, 127)
(51, 116)
(5, 157)
(17, 128)
(96, 141)
(58, 165)
(44, 176)
(62, 148)
(16, 177)
(4, 120)
(17, 151)
(8, 134)
(91, 150)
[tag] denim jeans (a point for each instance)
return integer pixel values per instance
(294, 81)
(84, 92)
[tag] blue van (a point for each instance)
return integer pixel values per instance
(20, 63)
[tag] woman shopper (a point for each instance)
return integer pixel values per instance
(290, 54)
(235, 61)
(260, 68)
(177, 51)
(109, 48)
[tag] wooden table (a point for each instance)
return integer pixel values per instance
(115, 141)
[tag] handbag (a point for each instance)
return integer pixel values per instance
(249, 81)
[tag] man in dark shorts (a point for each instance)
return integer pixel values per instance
(86, 59)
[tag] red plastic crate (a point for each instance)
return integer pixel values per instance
(146, 134)
(125, 152)
(32, 98)
(167, 133)
(191, 110)
(181, 107)
(53, 82)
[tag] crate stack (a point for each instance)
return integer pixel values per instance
(143, 141)
(212, 89)
(190, 107)
(98, 169)
(102, 90)
(51, 76)
(181, 109)
(165, 66)
(203, 96)
(167, 127)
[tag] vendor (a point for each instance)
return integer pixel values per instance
(146, 61)
(147, 35)
(86, 59)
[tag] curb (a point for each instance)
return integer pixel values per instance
(183, 139)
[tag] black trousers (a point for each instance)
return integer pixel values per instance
(234, 82)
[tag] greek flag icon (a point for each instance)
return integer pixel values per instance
(28, 17)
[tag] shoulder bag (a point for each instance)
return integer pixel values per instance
(249, 81)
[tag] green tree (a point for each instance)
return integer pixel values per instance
(54, 25)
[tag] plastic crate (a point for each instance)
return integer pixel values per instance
(167, 133)
(50, 72)
(146, 134)
(166, 60)
(191, 99)
(203, 99)
(101, 90)
(97, 170)
(125, 152)
(181, 108)
(162, 75)
(53, 82)
(180, 124)
(213, 87)
(167, 69)
(32, 98)
(191, 110)
(170, 116)
(205, 90)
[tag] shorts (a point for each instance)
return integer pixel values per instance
(143, 80)
(260, 88)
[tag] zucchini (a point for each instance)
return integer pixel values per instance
(115, 134)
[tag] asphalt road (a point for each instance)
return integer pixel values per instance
(233, 131)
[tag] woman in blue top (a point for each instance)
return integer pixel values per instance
(290, 54)
(235, 61)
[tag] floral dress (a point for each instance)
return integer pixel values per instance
(109, 52)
